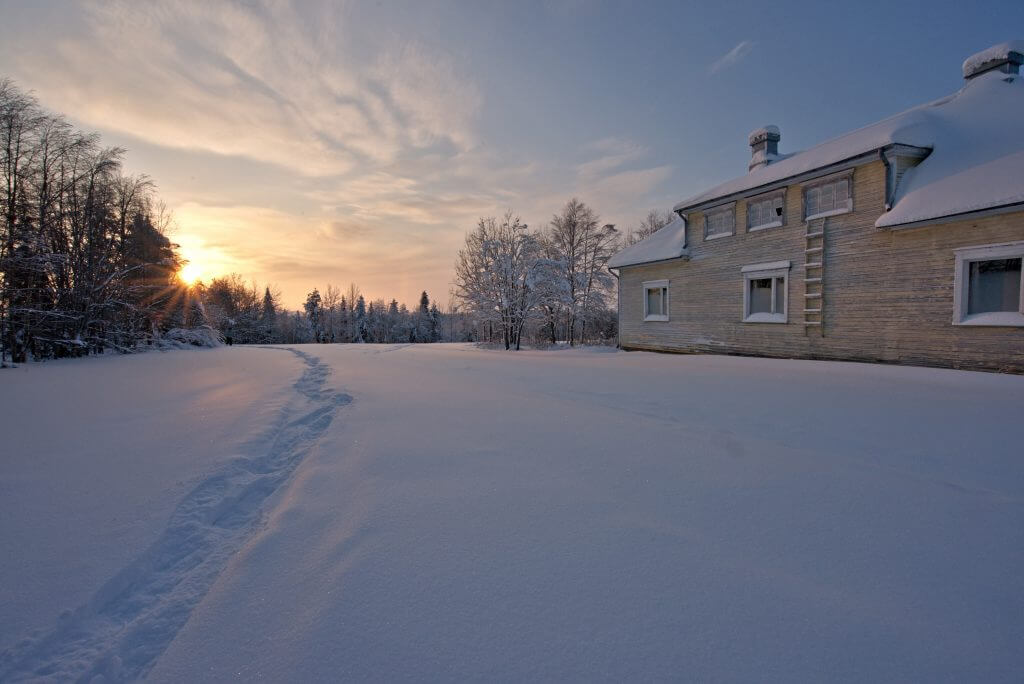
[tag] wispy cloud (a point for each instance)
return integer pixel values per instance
(263, 81)
(617, 174)
(612, 154)
(295, 151)
(732, 57)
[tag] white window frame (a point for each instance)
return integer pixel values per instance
(715, 211)
(827, 180)
(773, 270)
(965, 256)
(768, 196)
(653, 285)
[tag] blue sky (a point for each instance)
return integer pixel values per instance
(312, 142)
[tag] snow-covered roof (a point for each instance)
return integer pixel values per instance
(667, 243)
(977, 162)
(908, 128)
(977, 158)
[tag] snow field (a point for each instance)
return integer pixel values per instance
(568, 515)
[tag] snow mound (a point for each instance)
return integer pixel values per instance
(997, 53)
(183, 338)
(977, 160)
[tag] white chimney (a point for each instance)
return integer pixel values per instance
(764, 146)
(1005, 58)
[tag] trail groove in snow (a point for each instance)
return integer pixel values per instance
(127, 624)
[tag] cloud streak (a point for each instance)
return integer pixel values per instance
(258, 81)
(291, 148)
(732, 57)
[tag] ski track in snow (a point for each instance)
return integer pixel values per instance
(122, 630)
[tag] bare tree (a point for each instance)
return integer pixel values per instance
(598, 247)
(649, 225)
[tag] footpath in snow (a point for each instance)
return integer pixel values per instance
(121, 630)
(566, 515)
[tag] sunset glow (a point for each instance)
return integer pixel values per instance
(325, 142)
(190, 273)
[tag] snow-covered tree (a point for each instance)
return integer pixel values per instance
(314, 313)
(85, 264)
(581, 247)
(495, 272)
(359, 320)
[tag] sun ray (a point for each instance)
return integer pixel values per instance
(190, 273)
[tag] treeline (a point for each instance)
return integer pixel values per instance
(85, 264)
(545, 285)
(242, 314)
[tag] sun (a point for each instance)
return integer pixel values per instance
(190, 273)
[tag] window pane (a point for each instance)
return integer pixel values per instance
(780, 295)
(755, 214)
(722, 222)
(654, 301)
(812, 201)
(994, 286)
(827, 197)
(842, 193)
(761, 296)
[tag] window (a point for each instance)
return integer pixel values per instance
(720, 221)
(766, 211)
(765, 292)
(988, 286)
(828, 197)
(656, 300)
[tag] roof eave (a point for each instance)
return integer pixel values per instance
(685, 256)
(961, 216)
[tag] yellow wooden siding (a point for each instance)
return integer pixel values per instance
(888, 294)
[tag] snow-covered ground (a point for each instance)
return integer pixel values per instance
(441, 512)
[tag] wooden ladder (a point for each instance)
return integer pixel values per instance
(814, 278)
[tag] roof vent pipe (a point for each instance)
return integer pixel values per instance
(764, 146)
(1005, 58)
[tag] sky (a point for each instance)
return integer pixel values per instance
(308, 142)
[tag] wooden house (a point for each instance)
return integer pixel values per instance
(899, 242)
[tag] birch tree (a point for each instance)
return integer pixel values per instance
(496, 273)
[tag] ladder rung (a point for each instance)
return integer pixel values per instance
(812, 280)
(818, 323)
(816, 264)
(812, 295)
(812, 310)
(814, 235)
(811, 250)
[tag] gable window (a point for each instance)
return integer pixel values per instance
(766, 292)
(988, 285)
(828, 197)
(766, 211)
(720, 221)
(656, 300)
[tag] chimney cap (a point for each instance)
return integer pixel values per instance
(1010, 53)
(763, 133)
